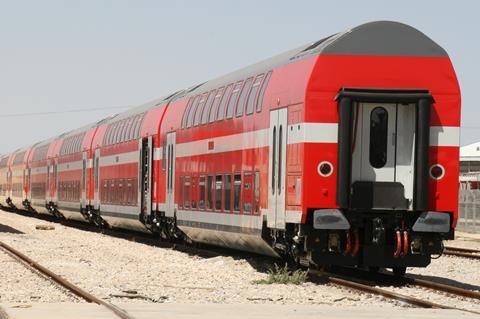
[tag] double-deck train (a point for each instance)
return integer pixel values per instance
(339, 152)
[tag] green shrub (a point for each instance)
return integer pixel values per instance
(282, 275)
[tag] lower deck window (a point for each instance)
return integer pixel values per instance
(218, 192)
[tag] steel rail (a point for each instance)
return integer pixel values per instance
(28, 262)
(465, 250)
(443, 287)
(337, 280)
(458, 253)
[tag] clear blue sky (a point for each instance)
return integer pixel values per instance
(66, 55)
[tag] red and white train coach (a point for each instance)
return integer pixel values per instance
(344, 151)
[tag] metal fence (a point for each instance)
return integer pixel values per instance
(469, 210)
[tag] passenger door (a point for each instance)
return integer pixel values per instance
(96, 179)
(276, 168)
(384, 144)
(84, 180)
(170, 174)
(145, 177)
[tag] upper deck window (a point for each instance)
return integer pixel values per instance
(233, 99)
(215, 104)
(192, 111)
(221, 109)
(262, 92)
(243, 95)
(253, 94)
(207, 107)
(185, 113)
(201, 104)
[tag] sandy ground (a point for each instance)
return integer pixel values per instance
(113, 268)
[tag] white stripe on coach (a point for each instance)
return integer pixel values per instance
(312, 133)
(158, 153)
(71, 166)
(228, 219)
(118, 159)
(229, 143)
(444, 136)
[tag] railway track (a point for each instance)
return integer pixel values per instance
(360, 280)
(367, 283)
(462, 252)
(79, 292)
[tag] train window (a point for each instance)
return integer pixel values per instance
(194, 191)
(228, 192)
(126, 124)
(121, 125)
(221, 108)
(216, 102)
(138, 124)
(262, 91)
(192, 111)
(233, 99)
(201, 197)
(218, 192)
(208, 106)
(201, 104)
(164, 153)
(186, 192)
(185, 113)
(112, 134)
(180, 193)
(210, 190)
(126, 131)
(243, 94)
(237, 188)
(128, 186)
(378, 137)
(253, 94)
(247, 192)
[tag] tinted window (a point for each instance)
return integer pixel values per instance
(138, 126)
(210, 191)
(201, 196)
(262, 92)
(253, 94)
(216, 102)
(218, 192)
(207, 107)
(185, 114)
(192, 111)
(221, 109)
(233, 100)
(200, 109)
(237, 183)
(186, 192)
(241, 99)
(228, 192)
(378, 137)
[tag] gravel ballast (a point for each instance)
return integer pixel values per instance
(119, 270)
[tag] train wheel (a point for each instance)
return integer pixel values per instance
(399, 271)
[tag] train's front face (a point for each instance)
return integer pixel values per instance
(397, 105)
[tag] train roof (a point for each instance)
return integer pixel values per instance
(378, 38)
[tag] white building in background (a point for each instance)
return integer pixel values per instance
(470, 166)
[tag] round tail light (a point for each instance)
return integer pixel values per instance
(437, 171)
(325, 169)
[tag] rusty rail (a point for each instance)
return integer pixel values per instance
(462, 252)
(28, 262)
(337, 280)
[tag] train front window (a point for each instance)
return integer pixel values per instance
(378, 137)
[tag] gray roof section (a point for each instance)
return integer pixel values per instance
(384, 38)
